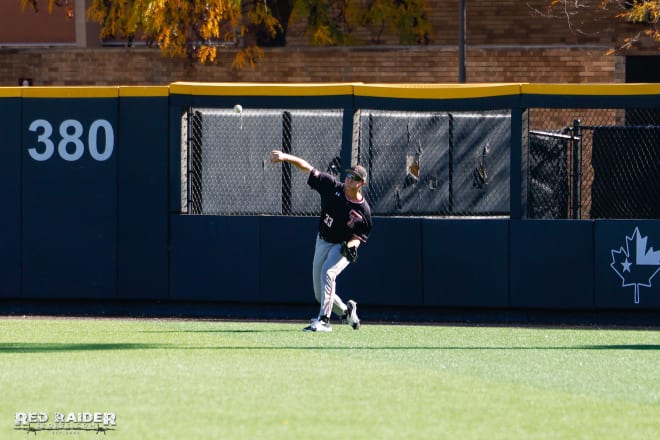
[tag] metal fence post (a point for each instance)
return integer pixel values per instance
(577, 168)
(286, 169)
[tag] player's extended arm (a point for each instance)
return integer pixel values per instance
(277, 156)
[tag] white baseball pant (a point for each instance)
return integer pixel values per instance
(328, 264)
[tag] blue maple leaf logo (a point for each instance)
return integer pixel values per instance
(636, 265)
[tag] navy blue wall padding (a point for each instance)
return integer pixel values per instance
(616, 242)
(465, 263)
(551, 264)
(142, 229)
(69, 208)
(214, 258)
(10, 193)
(285, 259)
(389, 266)
(111, 228)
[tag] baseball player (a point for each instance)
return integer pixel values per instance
(344, 224)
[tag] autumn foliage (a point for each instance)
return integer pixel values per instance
(197, 29)
(644, 13)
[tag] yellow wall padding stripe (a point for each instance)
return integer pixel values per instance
(10, 92)
(402, 91)
(144, 91)
(437, 91)
(260, 89)
(593, 89)
(71, 92)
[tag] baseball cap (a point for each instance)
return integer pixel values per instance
(358, 171)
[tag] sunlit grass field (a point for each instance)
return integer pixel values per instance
(183, 379)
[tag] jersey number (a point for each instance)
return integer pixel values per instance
(328, 221)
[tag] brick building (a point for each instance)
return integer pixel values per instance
(506, 41)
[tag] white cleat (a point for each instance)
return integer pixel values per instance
(351, 314)
(318, 325)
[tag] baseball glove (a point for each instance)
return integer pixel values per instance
(349, 252)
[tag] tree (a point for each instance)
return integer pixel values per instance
(66, 4)
(196, 29)
(644, 13)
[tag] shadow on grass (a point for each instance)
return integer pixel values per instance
(621, 347)
(54, 347)
(220, 331)
(438, 348)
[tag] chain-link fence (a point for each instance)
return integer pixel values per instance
(435, 164)
(584, 163)
(226, 159)
(419, 163)
(593, 163)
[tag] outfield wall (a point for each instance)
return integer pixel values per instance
(90, 178)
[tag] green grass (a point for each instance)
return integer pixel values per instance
(176, 379)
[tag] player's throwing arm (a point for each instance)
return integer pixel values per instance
(277, 156)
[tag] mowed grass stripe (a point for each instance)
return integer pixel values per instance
(213, 379)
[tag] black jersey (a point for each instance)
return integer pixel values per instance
(341, 218)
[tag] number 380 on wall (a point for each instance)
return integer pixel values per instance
(71, 147)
